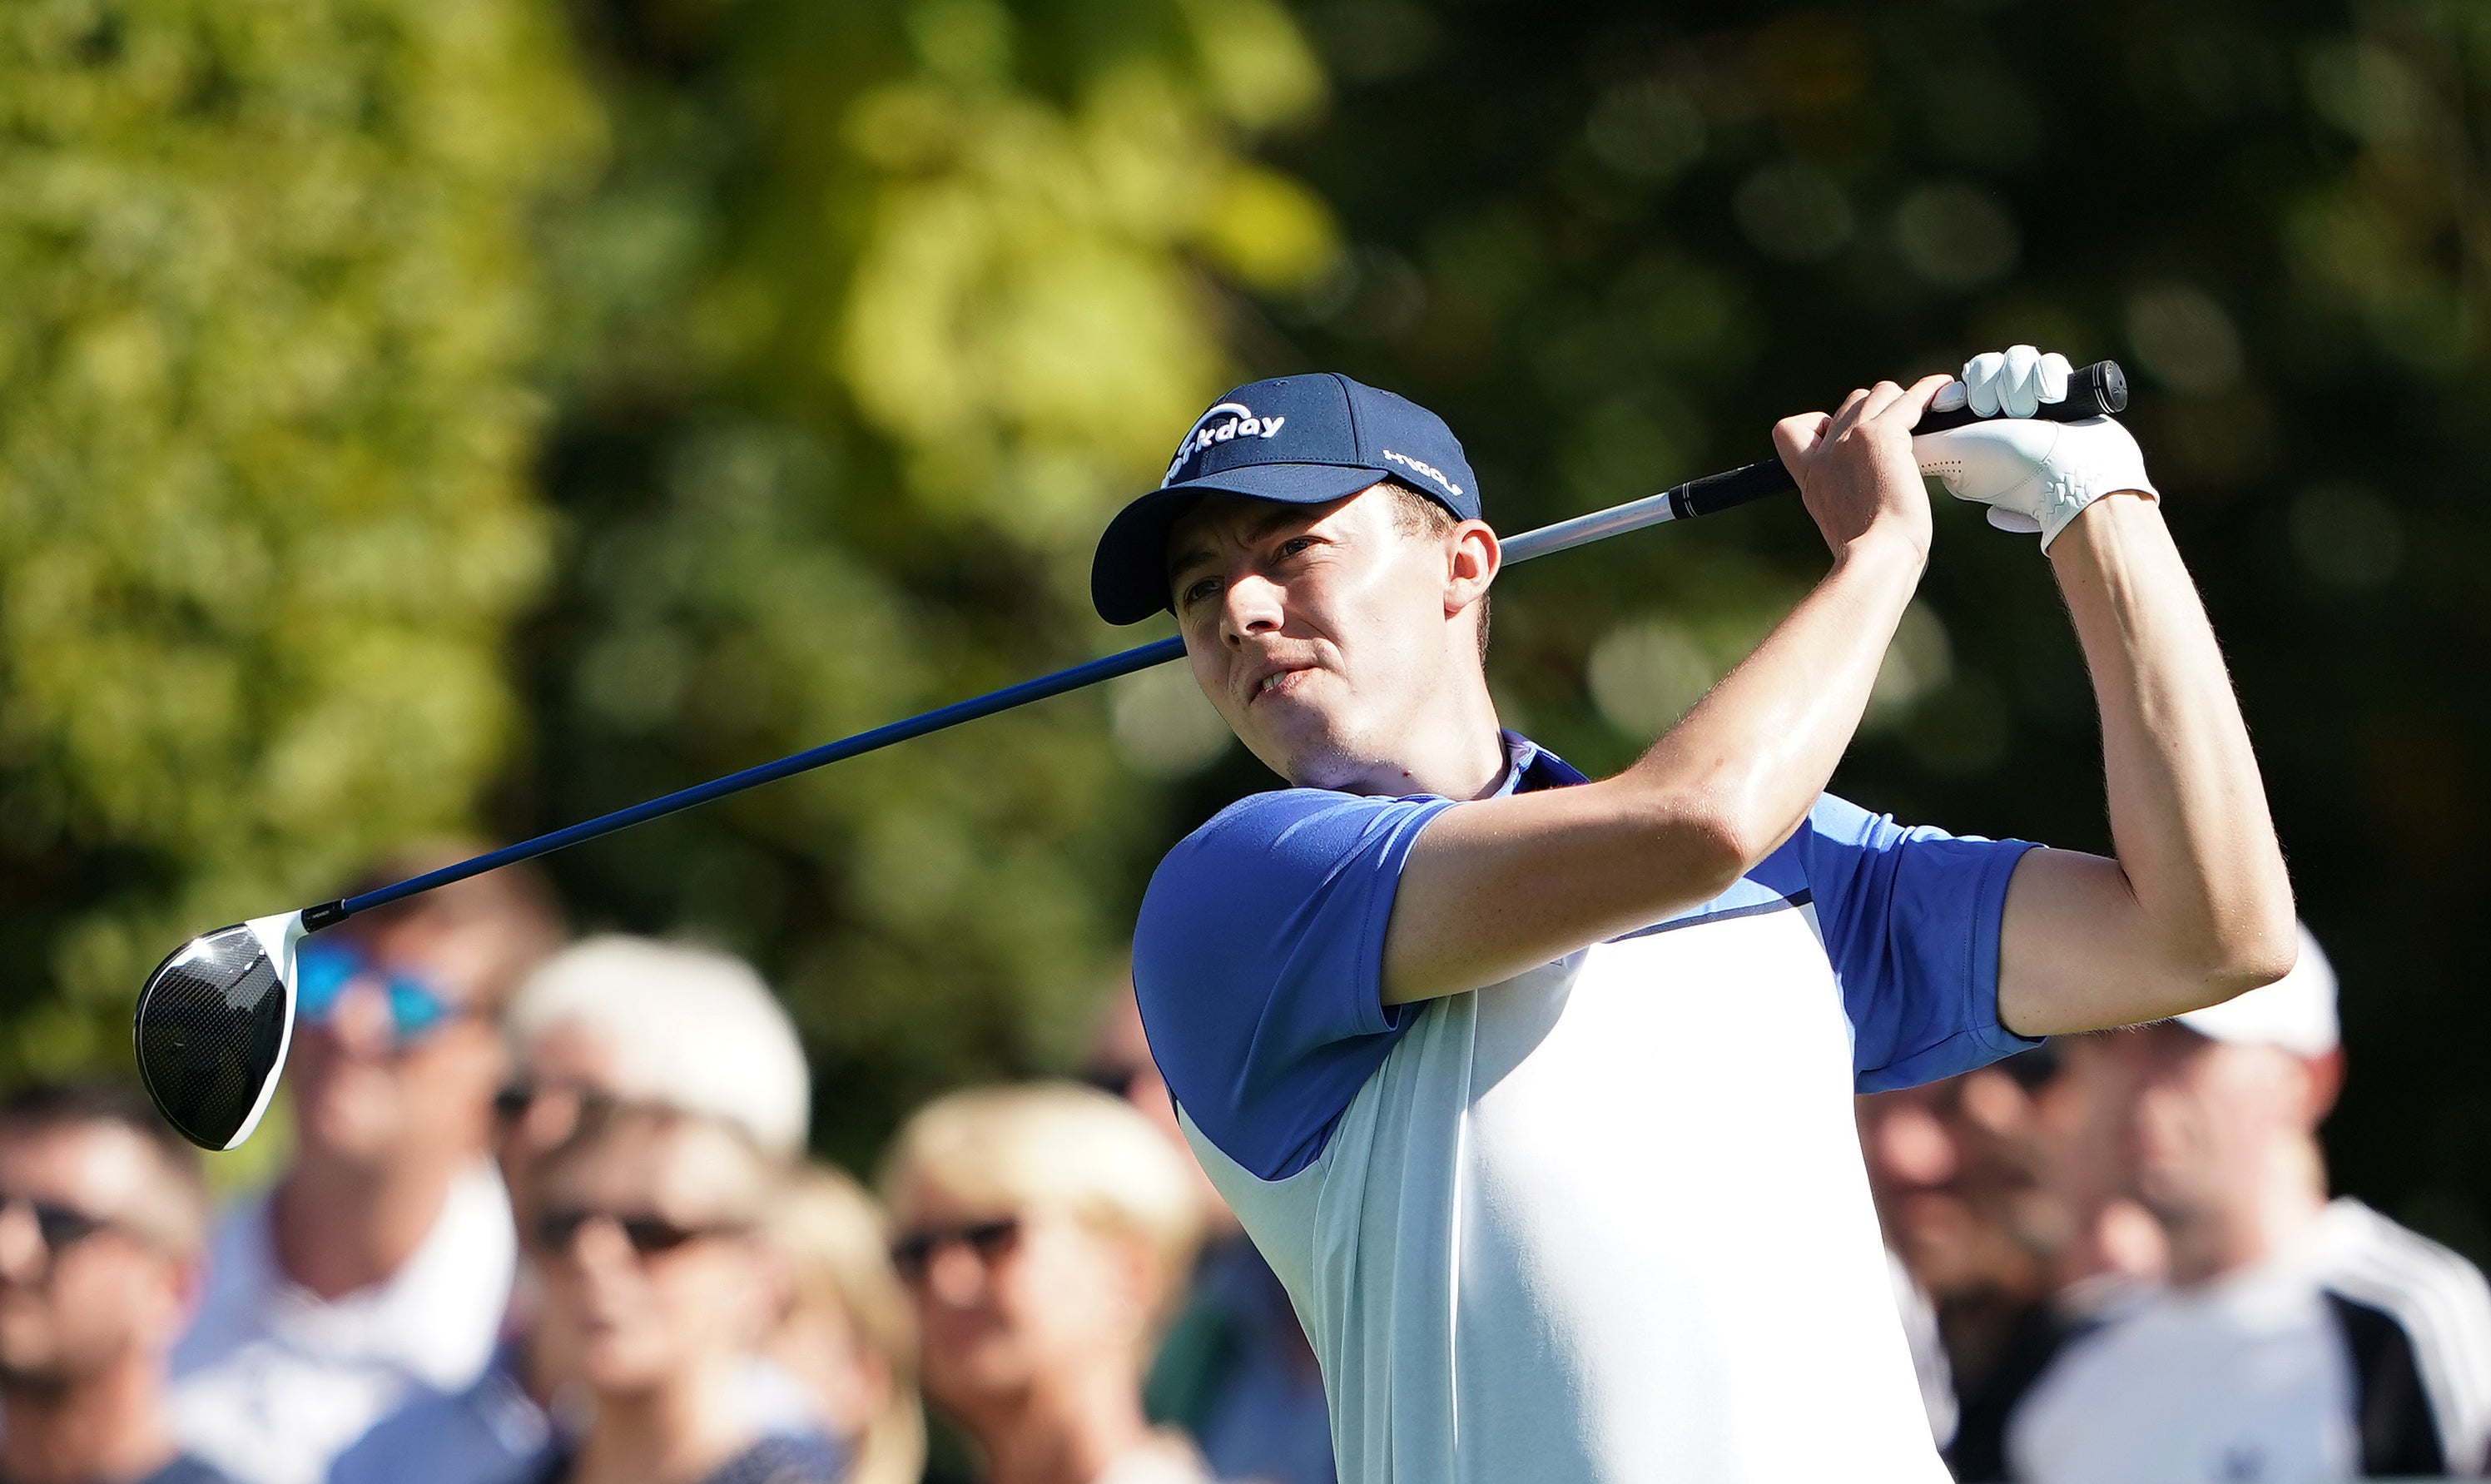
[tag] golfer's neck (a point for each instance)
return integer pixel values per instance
(1446, 743)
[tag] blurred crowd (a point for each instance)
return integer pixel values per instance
(2117, 1260)
(547, 1217)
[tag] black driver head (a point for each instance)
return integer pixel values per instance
(214, 1023)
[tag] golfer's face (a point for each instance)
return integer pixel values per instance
(1314, 629)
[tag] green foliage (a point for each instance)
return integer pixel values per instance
(882, 310)
(263, 439)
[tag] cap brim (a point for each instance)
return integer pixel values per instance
(1128, 576)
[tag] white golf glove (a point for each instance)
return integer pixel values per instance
(2034, 476)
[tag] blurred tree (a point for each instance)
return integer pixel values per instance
(1613, 248)
(880, 310)
(264, 433)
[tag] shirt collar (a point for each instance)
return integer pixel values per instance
(1530, 767)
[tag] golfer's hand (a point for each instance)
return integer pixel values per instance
(1855, 467)
(2032, 476)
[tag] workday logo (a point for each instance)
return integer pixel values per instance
(1222, 423)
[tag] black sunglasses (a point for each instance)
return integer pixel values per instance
(914, 1252)
(61, 1227)
(556, 1229)
(512, 1103)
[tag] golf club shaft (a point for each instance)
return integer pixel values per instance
(2093, 391)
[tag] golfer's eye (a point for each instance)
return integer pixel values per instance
(1294, 546)
(1197, 590)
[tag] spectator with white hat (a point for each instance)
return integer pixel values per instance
(2300, 1338)
(636, 1020)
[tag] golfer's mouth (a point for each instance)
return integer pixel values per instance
(1280, 683)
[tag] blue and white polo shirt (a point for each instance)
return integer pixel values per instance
(1604, 1221)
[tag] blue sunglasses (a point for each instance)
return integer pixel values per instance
(322, 970)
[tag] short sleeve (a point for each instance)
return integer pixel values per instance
(1258, 962)
(1910, 921)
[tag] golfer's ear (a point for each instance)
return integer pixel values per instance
(1471, 558)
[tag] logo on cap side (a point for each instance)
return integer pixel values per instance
(1208, 429)
(1429, 470)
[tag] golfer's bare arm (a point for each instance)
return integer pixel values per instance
(1495, 887)
(2197, 907)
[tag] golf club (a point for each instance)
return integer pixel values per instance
(215, 1019)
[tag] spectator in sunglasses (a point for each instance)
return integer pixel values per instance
(647, 1225)
(612, 1020)
(102, 1218)
(380, 1263)
(1043, 1231)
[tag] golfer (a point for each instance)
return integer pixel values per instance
(1535, 1091)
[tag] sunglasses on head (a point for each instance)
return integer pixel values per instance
(914, 1252)
(557, 1228)
(61, 1227)
(323, 968)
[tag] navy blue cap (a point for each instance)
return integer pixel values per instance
(1293, 440)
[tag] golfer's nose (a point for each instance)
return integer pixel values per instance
(1250, 604)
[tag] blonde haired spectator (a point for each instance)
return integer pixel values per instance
(847, 1332)
(1043, 1232)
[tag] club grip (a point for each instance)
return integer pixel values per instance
(2096, 391)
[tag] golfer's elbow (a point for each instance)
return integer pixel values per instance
(1700, 847)
(2235, 951)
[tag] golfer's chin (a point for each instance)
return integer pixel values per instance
(1309, 744)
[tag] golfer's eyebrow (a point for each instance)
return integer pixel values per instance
(1277, 518)
(1188, 560)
